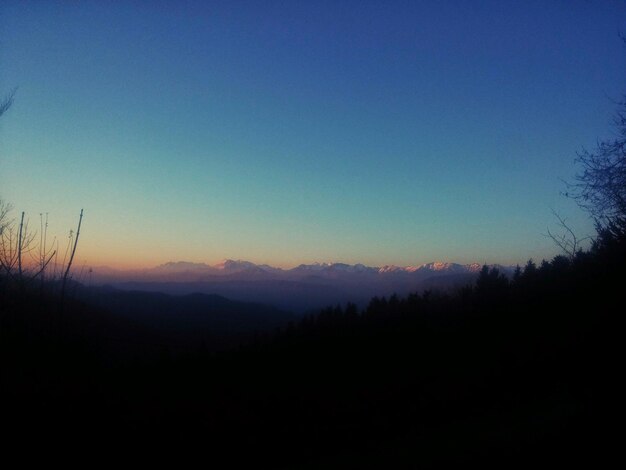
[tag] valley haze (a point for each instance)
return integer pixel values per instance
(301, 289)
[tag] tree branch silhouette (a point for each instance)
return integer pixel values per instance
(567, 241)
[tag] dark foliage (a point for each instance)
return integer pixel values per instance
(505, 372)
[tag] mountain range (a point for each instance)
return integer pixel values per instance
(184, 270)
(302, 288)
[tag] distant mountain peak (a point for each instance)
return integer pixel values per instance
(234, 265)
(390, 268)
(474, 267)
(332, 270)
(442, 266)
(175, 266)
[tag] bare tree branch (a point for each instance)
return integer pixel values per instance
(69, 264)
(567, 241)
(600, 186)
(6, 103)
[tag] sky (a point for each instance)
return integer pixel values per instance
(375, 132)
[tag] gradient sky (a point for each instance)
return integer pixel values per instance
(287, 132)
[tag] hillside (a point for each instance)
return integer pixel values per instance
(187, 321)
(510, 370)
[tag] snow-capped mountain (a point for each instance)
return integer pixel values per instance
(301, 288)
(233, 268)
(434, 268)
(452, 268)
(332, 269)
(310, 268)
(390, 269)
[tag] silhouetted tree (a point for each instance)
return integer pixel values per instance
(5, 207)
(491, 278)
(530, 270)
(69, 263)
(600, 187)
(351, 311)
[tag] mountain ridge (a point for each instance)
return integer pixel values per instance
(300, 289)
(232, 267)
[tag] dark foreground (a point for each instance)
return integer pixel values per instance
(505, 372)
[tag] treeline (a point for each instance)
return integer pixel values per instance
(516, 368)
(506, 370)
(564, 286)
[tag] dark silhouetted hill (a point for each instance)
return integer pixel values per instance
(509, 371)
(187, 319)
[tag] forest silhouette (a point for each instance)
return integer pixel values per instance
(516, 369)
(505, 371)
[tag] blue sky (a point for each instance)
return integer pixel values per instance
(287, 132)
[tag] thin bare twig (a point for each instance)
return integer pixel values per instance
(69, 263)
(568, 242)
(19, 247)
